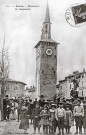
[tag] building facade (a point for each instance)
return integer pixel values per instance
(46, 61)
(30, 92)
(65, 86)
(13, 88)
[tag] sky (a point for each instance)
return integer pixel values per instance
(22, 31)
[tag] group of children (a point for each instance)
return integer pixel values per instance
(48, 118)
(52, 117)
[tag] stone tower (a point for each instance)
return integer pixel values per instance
(46, 61)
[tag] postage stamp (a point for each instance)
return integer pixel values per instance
(76, 15)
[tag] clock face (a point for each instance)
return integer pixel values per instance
(49, 51)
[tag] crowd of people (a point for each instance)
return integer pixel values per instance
(48, 115)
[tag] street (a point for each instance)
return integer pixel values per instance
(12, 128)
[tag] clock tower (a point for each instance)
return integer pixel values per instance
(46, 61)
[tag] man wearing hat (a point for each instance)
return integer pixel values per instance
(41, 101)
(5, 107)
(78, 113)
(60, 116)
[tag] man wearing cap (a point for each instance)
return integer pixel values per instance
(78, 113)
(60, 116)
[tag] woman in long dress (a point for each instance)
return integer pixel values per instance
(24, 124)
(16, 110)
(12, 112)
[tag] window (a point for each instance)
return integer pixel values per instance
(46, 26)
(42, 71)
(43, 55)
(7, 88)
(82, 93)
(10, 95)
(55, 47)
(82, 83)
(82, 76)
(52, 68)
(61, 87)
(11, 87)
(54, 73)
(54, 56)
(49, 28)
(15, 88)
(70, 86)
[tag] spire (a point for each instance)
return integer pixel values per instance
(47, 17)
(46, 30)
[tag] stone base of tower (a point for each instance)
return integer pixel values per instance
(48, 91)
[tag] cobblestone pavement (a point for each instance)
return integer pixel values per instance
(12, 128)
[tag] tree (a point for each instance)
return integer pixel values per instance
(4, 70)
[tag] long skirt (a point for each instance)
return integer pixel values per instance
(24, 124)
(12, 115)
(16, 114)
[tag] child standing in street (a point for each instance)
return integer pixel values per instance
(24, 124)
(45, 119)
(52, 119)
(78, 113)
(60, 117)
(68, 119)
(36, 118)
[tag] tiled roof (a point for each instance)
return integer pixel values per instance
(15, 81)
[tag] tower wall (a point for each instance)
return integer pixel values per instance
(47, 70)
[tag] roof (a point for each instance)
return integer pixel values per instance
(46, 41)
(47, 17)
(76, 73)
(15, 81)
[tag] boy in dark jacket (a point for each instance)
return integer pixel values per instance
(36, 118)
